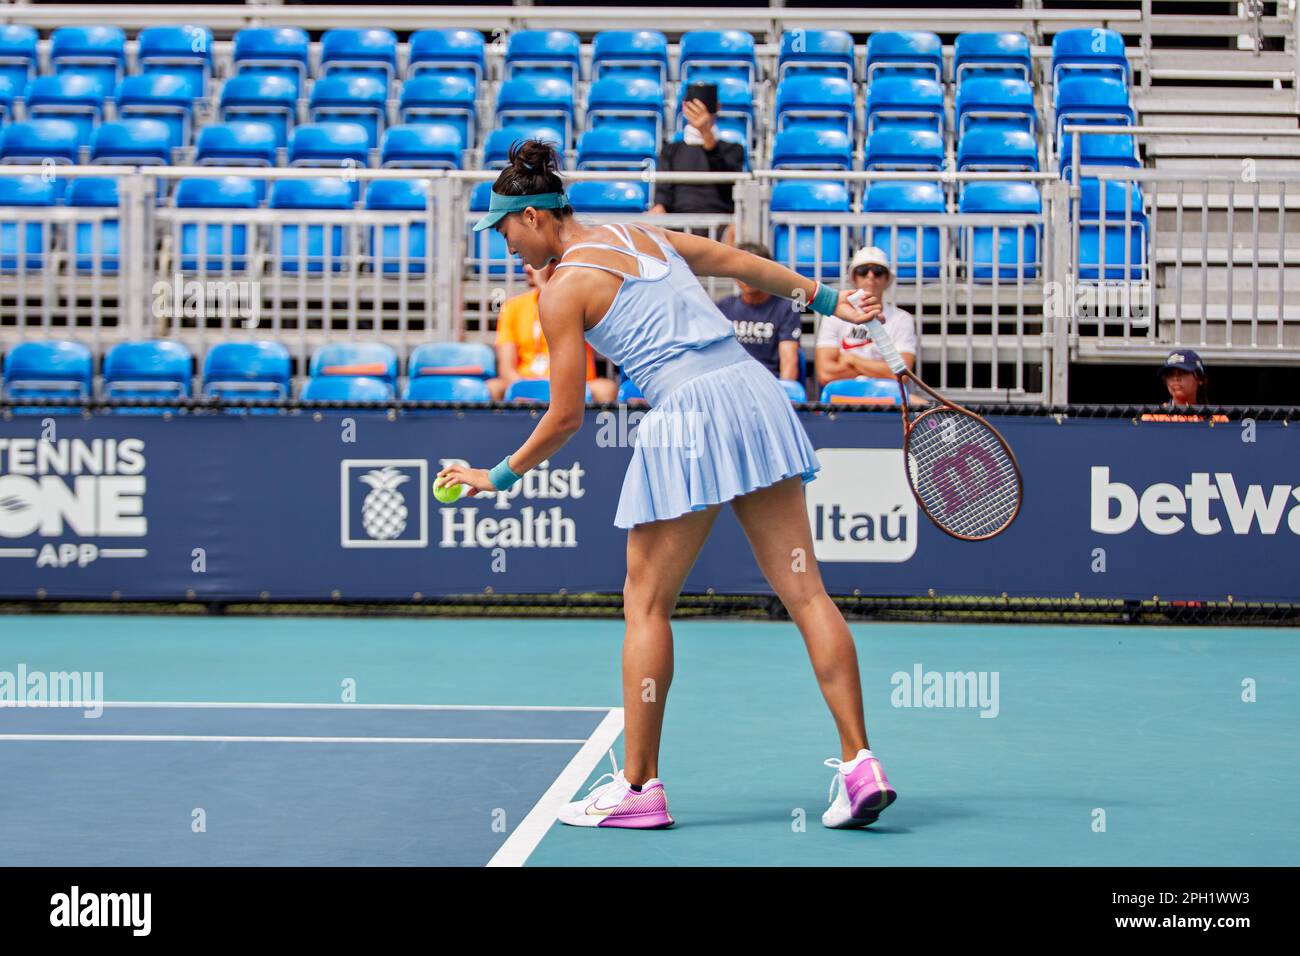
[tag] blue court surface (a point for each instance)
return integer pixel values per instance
(381, 741)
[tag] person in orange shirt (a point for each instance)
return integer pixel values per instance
(521, 346)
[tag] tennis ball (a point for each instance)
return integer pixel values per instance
(448, 493)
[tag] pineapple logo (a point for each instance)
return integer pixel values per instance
(383, 513)
(393, 513)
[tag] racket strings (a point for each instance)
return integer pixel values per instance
(963, 474)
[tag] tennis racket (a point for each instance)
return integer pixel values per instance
(961, 470)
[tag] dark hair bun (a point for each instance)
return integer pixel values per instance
(533, 169)
(535, 156)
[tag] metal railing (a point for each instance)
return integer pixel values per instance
(1202, 261)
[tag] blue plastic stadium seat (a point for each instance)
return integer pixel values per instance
(8, 93)
(446, 388)
(358, 388)
(629, 394)
(219, 247)
(76, 97)
(1007, 101)
(18, 59)
(901, 147)
(533, 99)
(489, 249)
(608, 196)
(797, 246)
(54, 369)
(544, 53)
(1015, 252)
(329, 144)
(1089, 50)
(614, 147)
(799, 148)
(96, 240)
(350, 359)
(96, 50)
(422, 146)
(904, 53)
(442, 99)
(351, 98)
(24, 245)
(1124, 216)
(273, 51)
(35, 140)
(472, 359)
(816, 51)
(905, 100)
(914, 250)
(531, 391)
(630, 54)
(138, 141)
(401, 247)
(815, 102)
(796, 391)
(991, 54)
(305, 247)
(619, 100)
(714, 53)
(1092, 100)
(447, 52)
(165, 97)
(496, 149)
(241, 143)
(248, 370)
(997, 148)
(735, 119)
(261, 98)
(862, 391)
(372, 52)
(1099, 149)
(182, 50)
(148, 370)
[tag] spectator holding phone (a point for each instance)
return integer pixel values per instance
(701, 151)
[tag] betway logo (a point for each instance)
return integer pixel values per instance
(1203, 502)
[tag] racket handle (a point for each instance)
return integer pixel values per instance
(882, 340)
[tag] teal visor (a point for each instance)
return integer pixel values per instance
(500, 205)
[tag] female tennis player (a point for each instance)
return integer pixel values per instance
(634, 295)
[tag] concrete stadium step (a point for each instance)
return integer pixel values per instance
(1207, 101)
(1216, 61)
(1245, 282)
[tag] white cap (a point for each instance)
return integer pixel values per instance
(870, 256)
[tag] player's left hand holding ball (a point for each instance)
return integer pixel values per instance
(476, 479)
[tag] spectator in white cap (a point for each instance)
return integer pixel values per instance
(838, 355)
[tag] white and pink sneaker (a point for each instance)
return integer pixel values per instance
(616, 804)
(864, 791)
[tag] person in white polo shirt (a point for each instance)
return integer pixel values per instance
(840, 356)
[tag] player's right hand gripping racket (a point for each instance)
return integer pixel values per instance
(962, 472)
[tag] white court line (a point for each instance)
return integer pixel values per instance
(222, 704)
(524, 839)
(206, 739)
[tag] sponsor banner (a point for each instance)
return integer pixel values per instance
(297, 507)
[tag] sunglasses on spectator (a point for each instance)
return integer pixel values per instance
(861, 272)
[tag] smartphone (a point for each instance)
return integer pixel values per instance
(707, 93)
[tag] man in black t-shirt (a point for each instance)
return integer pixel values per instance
(768, 326)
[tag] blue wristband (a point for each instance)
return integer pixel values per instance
(826, 299)
(501, 476)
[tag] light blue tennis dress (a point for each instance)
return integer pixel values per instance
(719, 424)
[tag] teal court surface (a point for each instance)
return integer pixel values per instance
(384, 741)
